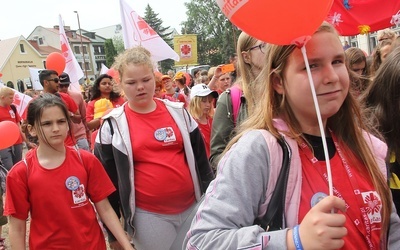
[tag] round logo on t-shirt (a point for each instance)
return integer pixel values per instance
(160, 134)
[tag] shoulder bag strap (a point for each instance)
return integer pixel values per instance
(235, 98)
(274, 216)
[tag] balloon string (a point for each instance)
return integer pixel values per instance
(321, 126)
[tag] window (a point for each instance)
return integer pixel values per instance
(77, 50)
(96, 49)
(22, 48)
(80, 65)
(84, 50)
(40, 40)
(98, 66)
(373, 42)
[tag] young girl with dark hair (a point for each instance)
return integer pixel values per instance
(56, 185)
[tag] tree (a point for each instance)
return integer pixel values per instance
(110, 52)
(155, 23)
(118, 44)
(216, 35)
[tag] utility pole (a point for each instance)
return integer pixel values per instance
(83, 52)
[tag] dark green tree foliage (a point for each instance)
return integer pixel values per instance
(110, 52)
(216, 35)
(155, 23)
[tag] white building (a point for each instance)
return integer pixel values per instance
(366, 42)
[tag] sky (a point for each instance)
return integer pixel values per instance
(20, 17)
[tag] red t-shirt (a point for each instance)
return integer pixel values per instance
(313, 184)
(72, 107)
(176, 97)
(205, 130)
(8, 114)
(90, 107)
(163, 183)
(60, 218)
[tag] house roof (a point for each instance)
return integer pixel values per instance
(70, 38)
(7, 46)
(86, 33)
(43, 50)
(67, 33)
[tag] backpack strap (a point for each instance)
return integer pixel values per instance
(236, 93)
(14, 109)
(111, 129)
(274, 218)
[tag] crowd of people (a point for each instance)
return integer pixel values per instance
(138, 157)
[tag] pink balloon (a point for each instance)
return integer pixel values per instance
(9, 134)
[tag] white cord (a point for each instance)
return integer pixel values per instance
(321, 126)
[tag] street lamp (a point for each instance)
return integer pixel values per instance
(83, 52)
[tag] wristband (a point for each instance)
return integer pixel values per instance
(296, 238)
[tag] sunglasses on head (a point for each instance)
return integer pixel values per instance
(56, 80)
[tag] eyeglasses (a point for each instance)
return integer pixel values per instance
(64, 85)
(261, 46)
(56, 80)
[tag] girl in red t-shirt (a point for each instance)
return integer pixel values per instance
(103, 87)
(57, 185)
(201, 107)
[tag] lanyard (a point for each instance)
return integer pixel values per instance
(356, 190)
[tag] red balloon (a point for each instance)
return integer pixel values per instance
(158, 74)
(9, 133)
(114, 74)
(277, 21)
(55, 61)
(349, 17)
(187, 76)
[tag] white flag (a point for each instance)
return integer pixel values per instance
(72, 67)
(34, 72)
(104, 69)
(21, 101)
(137, 32)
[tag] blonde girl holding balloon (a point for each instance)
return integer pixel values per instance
(358, 214)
